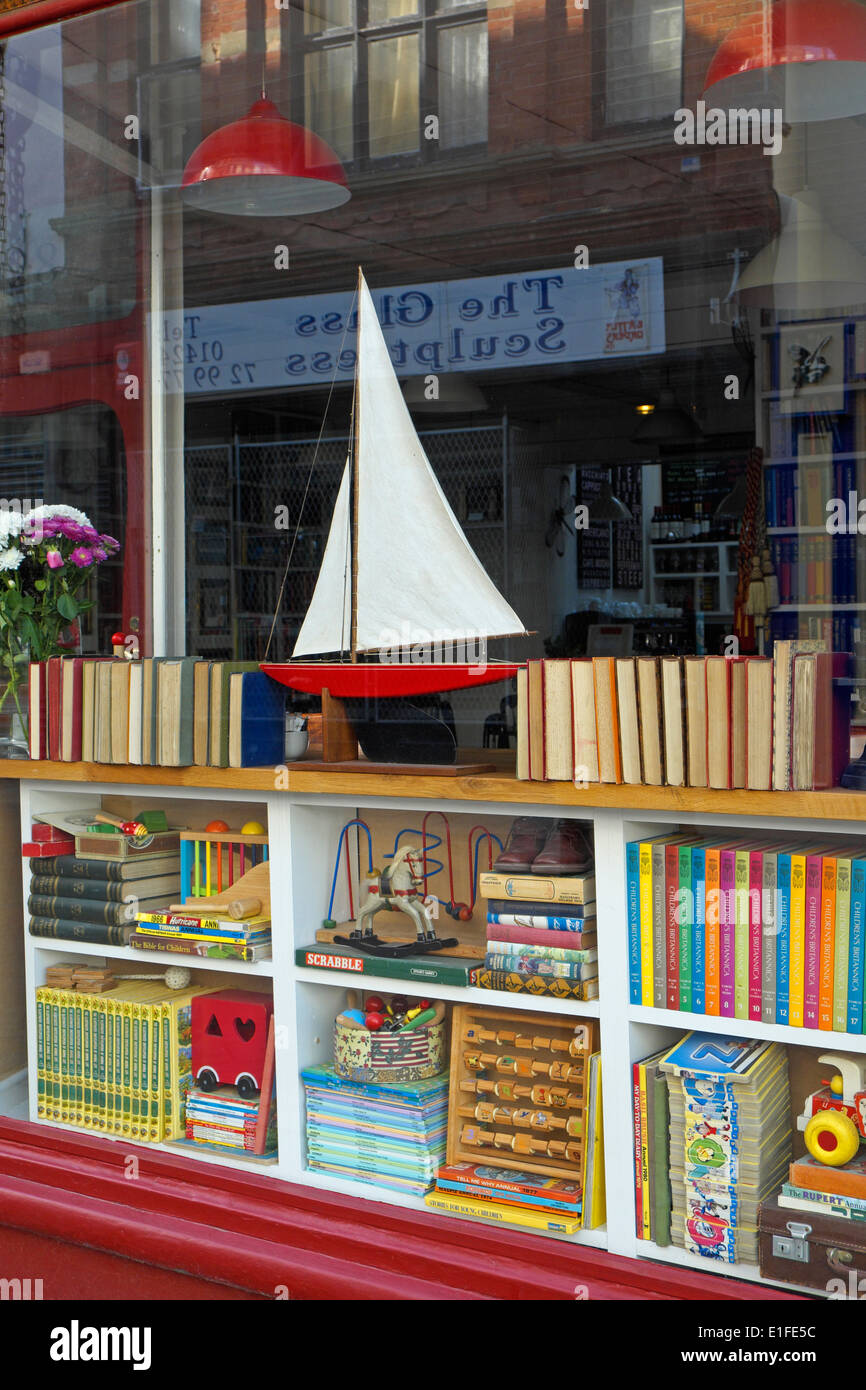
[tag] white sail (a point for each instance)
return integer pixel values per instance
(418, 578)
(328, 624)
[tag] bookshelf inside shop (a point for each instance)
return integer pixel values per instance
(303, 825)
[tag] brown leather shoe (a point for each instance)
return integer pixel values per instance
(526, 839)
(566, 850)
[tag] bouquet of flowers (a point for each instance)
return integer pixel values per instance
(46, 558)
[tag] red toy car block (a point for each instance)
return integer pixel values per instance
(229, 1039)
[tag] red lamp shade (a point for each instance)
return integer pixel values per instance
(264, 166)
(807, 59)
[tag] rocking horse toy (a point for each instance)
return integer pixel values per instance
(397, 888)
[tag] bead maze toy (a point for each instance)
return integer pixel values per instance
(214, 858)
(539, 1065)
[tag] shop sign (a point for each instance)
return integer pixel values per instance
(484, 324)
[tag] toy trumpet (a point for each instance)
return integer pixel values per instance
(523, 1119)
(539, 1095)
(519, 1143)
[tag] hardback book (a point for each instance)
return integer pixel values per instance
(503, 1213)
(534, 887)
(759, 723)
(627, 717)
(519, 982)
(63, 929)
(135, 695)
(651, 732)
(585, 734)
(174, 714)
(738, 721)
(573, 913)
(54, 688)
(547, 938)
(535, 715)
(784, 651)
(846, 1181)
(92, 909)
(201, 682)
(220, 676)
(695, 689)
(522, 765)
(719, 722)
(607, 723)
(200, 946)
(70, 710)
(38, 714)
(257, 720)
(673, 710)
(820, 720)
(102, 712)
(149, 669)
(120, 711)
(99, 890)
(144, 865)
(527, 964)
(558, 732)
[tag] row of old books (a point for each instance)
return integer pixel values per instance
(74, 898)
(115, 1062)
(771, 929)
(541, 935)
(161, 711)
(698, 721)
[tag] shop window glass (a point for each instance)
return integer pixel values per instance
(643, 59)
(463, 84)
(328, 96)
(393, 95)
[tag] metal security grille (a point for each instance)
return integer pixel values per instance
(243, 504)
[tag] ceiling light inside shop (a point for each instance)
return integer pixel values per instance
(666, 422)
(807, 266)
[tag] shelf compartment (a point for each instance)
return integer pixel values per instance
(746, 1028)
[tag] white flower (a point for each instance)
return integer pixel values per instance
(55, 509)
(10, 524)
(10, 559)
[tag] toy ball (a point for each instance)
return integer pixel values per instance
(177, 977)
(354, 1014)
(424, 1004)
(836, 1085)
(253, 827)
(216, 827)
(374, 1022)
(375, 1004)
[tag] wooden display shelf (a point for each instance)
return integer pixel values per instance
(834, 805)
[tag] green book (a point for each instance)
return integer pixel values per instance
(96, 910)
(100, 933)
(842, 945)
(685, 919)
(658, 1108)
(220, 684)
(174, 711)
(427, 970)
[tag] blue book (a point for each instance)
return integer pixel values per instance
(783, 936)
(257, 720)
(632, 897)
(411, 1092)
(855, 946)
(699, 922)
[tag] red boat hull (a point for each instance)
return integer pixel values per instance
(346, 681)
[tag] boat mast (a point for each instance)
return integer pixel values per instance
(354, 496)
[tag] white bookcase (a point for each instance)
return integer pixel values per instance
(303, 830)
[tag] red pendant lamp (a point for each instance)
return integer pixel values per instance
(805, 57)
(264, 166)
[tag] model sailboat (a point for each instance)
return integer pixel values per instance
(397, 572)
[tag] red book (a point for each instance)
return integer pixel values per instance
(70, 709)
(832, 720)
(638, 1151)
(53, 685)
(37, 723)
(756, 875)
(672, 923)
(541, 936)
(812, 964)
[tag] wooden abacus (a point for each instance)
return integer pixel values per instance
(522, 1058)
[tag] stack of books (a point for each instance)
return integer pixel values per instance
(541, 935)
(517, 1198)
(730, 1140)
(196, 933)
(386, 1134)
(224, 1120)
(79, 899)
(115, 1062)
(697, 721)
(824, 1191)
(651, 1119)
(771, 929)
(162, 711)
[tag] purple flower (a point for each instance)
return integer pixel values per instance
(49, 526)
(99, 554)
(81, 557)
(109, 542)
(54, 559)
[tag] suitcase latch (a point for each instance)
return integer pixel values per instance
(794, 1246)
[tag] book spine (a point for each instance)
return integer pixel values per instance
(699, 929)
(632, 891)
(842, 945)
(770, 927)
(541, 936)
(727, 931)
(107, 935)
(517, 1198)
(812, 942)
(552, 953)
(756, 880)
(783, 938)
(570, 916)
(183, 946)
(523, 888)
(638, 1146)
(540, 967)
(685, 918)
(827, 944)
(797, 948)
(80, 909)
(858, 931)
(741, 937)
(558, 924)
(518, 982)
(462, 1206)
(646, 926)
(646, 1204)
(659, 928)
(672, 926)
(40, 1048)
(713, 932)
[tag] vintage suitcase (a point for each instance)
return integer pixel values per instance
(817, 1251)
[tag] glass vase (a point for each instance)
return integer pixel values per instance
(14, 699)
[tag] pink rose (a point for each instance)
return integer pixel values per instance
(54, 559)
